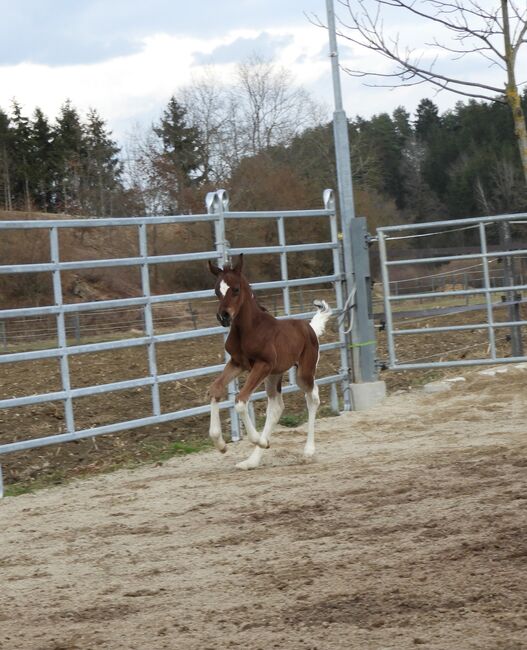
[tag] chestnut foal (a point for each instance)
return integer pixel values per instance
(266, 348)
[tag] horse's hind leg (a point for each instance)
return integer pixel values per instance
(306, 381)
(313, 402)
(275, 407)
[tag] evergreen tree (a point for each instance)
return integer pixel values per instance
(180, 142)
(5, 161)
(43, 162)
(427, 121)
(69, 151)
(20, 141)
(382, 135)
(101, 166)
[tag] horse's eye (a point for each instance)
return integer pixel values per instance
(235, 291)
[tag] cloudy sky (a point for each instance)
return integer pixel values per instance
(127, 57)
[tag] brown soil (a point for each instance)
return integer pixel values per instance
(408, 530)
(59, 463)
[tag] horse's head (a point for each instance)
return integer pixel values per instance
(230, 286)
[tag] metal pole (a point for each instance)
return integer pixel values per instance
(217, 203)
(387, 303)
(284, 275)
(509, 279)
(3, 334)
(344, 180)
(61, 329)
(487, 286)
(329, 204)
(149, 319)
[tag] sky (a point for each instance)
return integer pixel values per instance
(126, 58)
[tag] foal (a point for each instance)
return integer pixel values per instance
(266, 348)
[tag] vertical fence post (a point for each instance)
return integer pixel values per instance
(3, 334)
(487, 286)
(193, 315)
(284, 276)
(344, 338)
(217, 204)
(61, 329)
(387, 303)
(148, 316)
(365, 329)
(510, 279)
(345, 184)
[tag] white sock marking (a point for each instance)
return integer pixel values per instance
(313, 402)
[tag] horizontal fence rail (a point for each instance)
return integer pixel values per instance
(58, 324)
(510, 283)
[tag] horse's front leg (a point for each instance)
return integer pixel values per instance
(230, 372)
(258, 373)
(275, 407)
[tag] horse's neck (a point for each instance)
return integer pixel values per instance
(249, 312)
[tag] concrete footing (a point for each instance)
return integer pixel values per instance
(365, 396)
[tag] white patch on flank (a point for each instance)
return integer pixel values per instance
(224, 287)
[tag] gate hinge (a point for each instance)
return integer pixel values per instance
(370, 239)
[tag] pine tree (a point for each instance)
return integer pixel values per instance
(427, 119)
(20, 141)
(180, 143)
(69, 150)
(5, 161)
(101, 168)
(44, 171)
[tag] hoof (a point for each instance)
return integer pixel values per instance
(244, 465)
(223, 450)
(264, 445)
(309, 452)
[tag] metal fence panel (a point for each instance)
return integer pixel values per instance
(512, 285)
(218, 214)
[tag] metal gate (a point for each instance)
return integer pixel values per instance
(508, 294)
(217, 214)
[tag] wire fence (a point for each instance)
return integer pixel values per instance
(28, 332)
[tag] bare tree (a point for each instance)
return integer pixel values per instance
(272, 107)
(495, 30)
(261, 108)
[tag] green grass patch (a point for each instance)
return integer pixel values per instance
(152, 454)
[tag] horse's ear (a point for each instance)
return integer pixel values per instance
(237, 268)
(215, 270)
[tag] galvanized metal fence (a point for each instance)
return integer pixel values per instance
(217, 214)
(512, 288)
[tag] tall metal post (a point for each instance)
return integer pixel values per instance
(510, 279)
(364, 370)
(217, 203)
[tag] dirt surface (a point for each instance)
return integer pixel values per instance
(408, 530)
(58, 463)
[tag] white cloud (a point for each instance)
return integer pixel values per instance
(127, 89)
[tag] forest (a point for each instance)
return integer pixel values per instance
(271, 145)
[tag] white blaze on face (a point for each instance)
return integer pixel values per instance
(224, 287)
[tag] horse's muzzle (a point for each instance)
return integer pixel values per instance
(224, 319)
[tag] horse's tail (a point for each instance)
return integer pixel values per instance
(319, 320)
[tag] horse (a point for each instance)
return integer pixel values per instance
(265, 347)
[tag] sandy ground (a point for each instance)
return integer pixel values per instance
(408, 530)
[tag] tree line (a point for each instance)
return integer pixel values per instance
(266, 140)
(69, 165)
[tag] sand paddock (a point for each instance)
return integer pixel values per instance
(408, 530)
